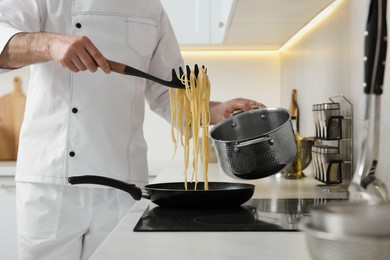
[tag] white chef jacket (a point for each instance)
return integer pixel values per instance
(92, 123)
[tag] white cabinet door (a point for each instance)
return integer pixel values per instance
(8, 242)
(190, 20)
(220, 18)
(199, 22)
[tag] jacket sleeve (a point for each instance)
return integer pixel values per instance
(19, 16)
(166, 57)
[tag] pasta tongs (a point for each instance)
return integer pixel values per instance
(127, 70)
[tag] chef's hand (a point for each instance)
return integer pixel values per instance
(222, 110)
(77, 53)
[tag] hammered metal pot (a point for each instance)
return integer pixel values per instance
(255, 144)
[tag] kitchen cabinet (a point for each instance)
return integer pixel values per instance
(8, 219)
(199, 21)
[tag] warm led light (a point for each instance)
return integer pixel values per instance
(230, 52)
(322, 15)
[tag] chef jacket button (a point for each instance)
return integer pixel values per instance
(78, 25)
(75, 110)
(72, 154)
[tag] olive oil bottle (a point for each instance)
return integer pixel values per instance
(294, 171)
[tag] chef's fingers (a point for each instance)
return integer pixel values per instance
(79, 64)
(254, 104)
(97, 57)
(86, 59)
(72, 67)
(244, 104)
(69, 64)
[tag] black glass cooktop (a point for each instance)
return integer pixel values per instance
(255, 215)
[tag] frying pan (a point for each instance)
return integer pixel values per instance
(173, 194)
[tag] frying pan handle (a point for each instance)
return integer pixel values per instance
(133, 190)
(375, 47)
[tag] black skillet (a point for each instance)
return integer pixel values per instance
(173, 194)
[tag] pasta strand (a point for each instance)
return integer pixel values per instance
(190, 109)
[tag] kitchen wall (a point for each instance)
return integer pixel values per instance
(322, 62)
(327, 62)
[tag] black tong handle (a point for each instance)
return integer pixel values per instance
(127, 70)
(375, 47)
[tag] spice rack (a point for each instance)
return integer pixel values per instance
(332, 149)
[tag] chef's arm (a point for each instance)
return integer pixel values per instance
(76, 53)
(222, 110)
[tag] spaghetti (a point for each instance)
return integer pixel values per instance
(190, 116)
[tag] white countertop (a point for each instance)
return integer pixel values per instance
(123, 243)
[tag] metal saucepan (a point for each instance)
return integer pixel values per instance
(256, 143)
(173, 194)
(353, 218)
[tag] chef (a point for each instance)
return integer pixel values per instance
(81, 119)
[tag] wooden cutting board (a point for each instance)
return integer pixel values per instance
(12, 107)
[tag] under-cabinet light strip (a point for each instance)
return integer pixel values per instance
(320, 17)
(229, 52)
(317, 19)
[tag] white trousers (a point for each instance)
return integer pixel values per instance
(66, 222)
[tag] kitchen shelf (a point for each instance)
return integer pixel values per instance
(334, 151)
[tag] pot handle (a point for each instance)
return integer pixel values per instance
(239, 111)
(133, 190)
(255, 141)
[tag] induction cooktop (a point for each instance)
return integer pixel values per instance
(255, 215)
